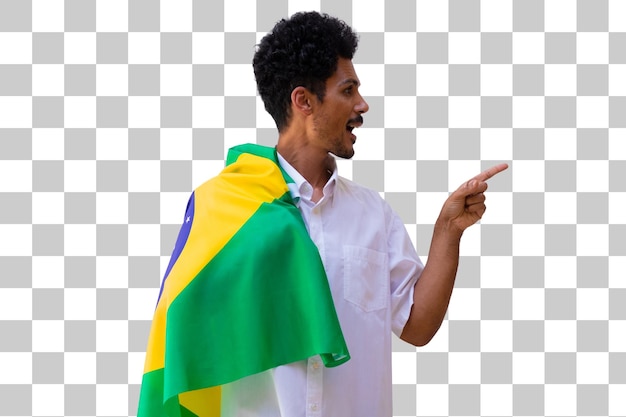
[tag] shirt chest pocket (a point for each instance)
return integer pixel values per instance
(365, 281)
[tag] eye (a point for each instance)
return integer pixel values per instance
(348, 91)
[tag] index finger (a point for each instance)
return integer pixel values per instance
(485, 175)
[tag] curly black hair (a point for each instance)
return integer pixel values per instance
(300, 51)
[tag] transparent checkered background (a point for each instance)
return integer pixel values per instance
(111, 111)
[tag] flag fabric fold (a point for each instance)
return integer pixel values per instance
(245, 291)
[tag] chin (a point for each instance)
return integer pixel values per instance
(342, 147)
(344, 154)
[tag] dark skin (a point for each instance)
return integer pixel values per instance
(317, 128)
(433, 290)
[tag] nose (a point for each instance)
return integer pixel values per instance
(362, 107)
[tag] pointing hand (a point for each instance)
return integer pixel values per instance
(466, 205)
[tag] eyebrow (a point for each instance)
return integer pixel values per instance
(352, 81)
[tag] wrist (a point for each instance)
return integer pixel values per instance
(448, 228)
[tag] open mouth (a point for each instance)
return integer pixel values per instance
(354, 123)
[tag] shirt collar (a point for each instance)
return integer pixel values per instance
(302, 189)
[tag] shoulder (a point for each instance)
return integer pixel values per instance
(369, 199)
(357, 190)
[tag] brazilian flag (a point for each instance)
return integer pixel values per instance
(245, 291)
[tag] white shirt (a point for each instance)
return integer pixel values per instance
(372, 267)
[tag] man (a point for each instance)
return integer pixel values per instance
(378, 284)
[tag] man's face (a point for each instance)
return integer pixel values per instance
(340, 111)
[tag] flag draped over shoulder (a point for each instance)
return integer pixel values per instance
(245, 291)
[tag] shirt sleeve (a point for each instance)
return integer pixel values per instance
(405, 269)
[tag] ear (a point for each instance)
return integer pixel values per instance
(301, 100)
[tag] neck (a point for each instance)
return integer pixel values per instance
(314, 164)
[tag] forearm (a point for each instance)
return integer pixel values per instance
(434, 288)
(463, 208)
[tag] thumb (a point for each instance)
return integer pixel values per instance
(464, 191)
(473, 186)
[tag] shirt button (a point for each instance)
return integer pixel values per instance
(313, 407)
(316, 365)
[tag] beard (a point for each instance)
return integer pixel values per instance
(342, 151)
(335, 144)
